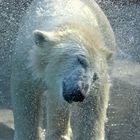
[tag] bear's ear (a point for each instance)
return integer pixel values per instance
(42, 38)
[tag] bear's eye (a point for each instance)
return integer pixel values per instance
(95, 77)
(82, 60)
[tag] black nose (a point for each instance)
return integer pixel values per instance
(73, 93)
(74, 96)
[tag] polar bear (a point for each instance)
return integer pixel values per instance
(62, 51)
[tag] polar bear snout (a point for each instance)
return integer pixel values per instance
(73, 95)
(74, 92)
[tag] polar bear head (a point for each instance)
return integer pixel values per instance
(68, 61)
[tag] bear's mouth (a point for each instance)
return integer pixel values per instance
(74, 92)
(74, 98)
(77, 90)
